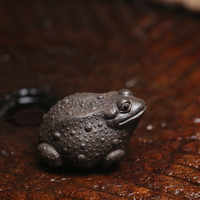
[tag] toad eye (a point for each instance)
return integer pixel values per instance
(125, 107)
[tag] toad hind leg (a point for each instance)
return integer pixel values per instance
(49, 154)
(112, 157)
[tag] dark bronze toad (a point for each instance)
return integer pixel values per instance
(86, 129)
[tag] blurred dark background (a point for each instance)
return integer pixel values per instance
(57, 48)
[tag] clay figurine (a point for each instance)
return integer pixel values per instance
(86, 130)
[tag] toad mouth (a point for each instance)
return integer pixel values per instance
(133, 117)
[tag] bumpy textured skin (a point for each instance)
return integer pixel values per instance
(85, 130)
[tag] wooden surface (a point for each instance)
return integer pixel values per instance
(73, 46)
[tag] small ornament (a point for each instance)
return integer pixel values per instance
(86, 130)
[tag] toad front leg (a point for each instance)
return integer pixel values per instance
(49, 155)
(112, 157)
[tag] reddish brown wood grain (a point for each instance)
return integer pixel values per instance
(79, 46)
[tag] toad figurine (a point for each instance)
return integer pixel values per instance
(86, 130)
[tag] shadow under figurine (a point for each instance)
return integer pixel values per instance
(86, 130)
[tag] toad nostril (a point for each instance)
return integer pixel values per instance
(26, 106)
(138, 106)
